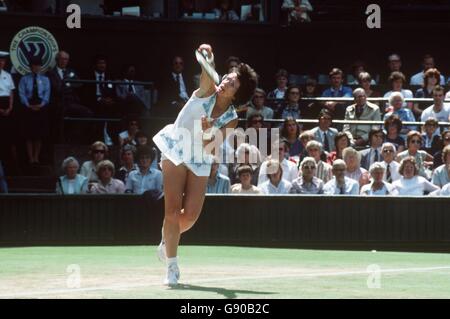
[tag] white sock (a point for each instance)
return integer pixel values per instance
(172, 260)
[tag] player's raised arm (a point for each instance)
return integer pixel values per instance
(207, 86)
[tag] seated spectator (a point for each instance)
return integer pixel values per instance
(324, 133)
(341, 141)
(336, 90)
(428, 63)
(388, 152)
(275, 184)
(127, 157)
(71, 182)
(430, 80)
(307, 182)
(304, 138)
(411, 184)
(258, 105)
(245, 176)
(224, 11)
(431, 140)
(297, 11)
(377, 185)
(129, 136)
(34, 93)
(256, 121)
(445, 191)
(437, 157)
(396, 81)
(423, 160)
(340, 184)
(141, 138)
(310, 109)
(310, 89)
(3, 184)
(362, 110)
(354, 171)
(357, 68)
(439, 110)
(146, 179)
(394, 65)
(217, 183)
(98, 152)
(281, 78)
(245, 154)
(393, 126)
(365, 81)
(106, 183)
(130, 95)
(323, 170)
(441, 175)
(289, 169)
(404, 114)
(373, 153)
(291, 107)
(290, 131)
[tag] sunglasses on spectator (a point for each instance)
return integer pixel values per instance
(99, 152)
(416, 141)
(388, 151)
(309, 167)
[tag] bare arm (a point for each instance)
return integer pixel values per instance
(207, 86)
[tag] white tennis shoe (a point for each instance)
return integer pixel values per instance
(173, 275)
(161, 251)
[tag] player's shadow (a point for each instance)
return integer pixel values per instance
(227, 293)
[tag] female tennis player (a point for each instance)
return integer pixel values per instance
(185, 176)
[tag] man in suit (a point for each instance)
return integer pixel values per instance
(131, 96)
(175, 89)
(373, 153)
(324, 133)
(364, 111)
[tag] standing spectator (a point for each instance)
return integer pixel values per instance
(396, 81)
(437, 157)
(297, 11)
(336, 90)
(281, 78)
(391, 166)
(365, 81)
(373, 153)
(106, 183)
(129, 136)
(441, 175)
(323, 170)
(377, 185)
(324, 133)
(431, 139)
(131, 96)
(128, 165)
(146, 179)
(98, 152)
(258, 105)
(307, 182)
(292, 106)
(404, 114)
(245, 175)
(411, 184)
(290, 170)
(342, 141)
(217, 183)
(34, 92)
(7, 88)
(340, 184)
(439, 110)
(428, 63)
(354, 170)
(224, 11)
(430, 80)
(361, 110)
(71, 182)
(393, 126)
(423, 160)
(290, 131)
(275, 184)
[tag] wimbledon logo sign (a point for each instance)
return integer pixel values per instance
(33, 42)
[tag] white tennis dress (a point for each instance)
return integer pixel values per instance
(181, 142)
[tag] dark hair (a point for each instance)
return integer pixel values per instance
(248, 80)
(340, 135)
(254, 115)
(325, 112)
(289, 89)
(393, 120)
(336, 71)
(431, 121)
(431, 73)
(438, 88)
(374, 131)
(141, 134)
(145, 150)
(244, 168)
(284, 128)
(282, 72)
(397, 76)
(99, 57)
(233, 59)
(410, 136)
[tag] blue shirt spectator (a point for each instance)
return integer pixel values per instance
(217, 183)
(342, 91)
(26, 88)
(138, 182)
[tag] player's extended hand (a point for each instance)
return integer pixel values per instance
(205, 47)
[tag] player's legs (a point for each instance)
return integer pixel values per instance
(194, 197)
(174, 180)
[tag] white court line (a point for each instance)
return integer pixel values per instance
(211, 280)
